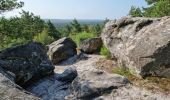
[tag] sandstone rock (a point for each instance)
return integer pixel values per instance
(28, 62)
(61, 50)
(141, 44)
(92, 84)
(68, 75)
(54, 87)
(10, 91)
(91, 45)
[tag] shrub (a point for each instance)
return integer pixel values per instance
(43, 37)
(105, 52)
(8, 42)
(81, 36)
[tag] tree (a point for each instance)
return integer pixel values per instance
(8, 5)
(85, 28)
(53, 32)
(156, 8)
(135, 12)
(68, 29)
(20, 29)
(44, 37)
(105, 21)
(76, 27)
(96, 29)
(151, 1)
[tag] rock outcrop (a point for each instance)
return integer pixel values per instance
(91, 45)
(10, 91)
(141, 44)
(26, 62)
(61, 50)
(54, 87)
(91, 83)
(21, 65)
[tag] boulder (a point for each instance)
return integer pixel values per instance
(61, 50)
(91, 45)
(68, 75)
(141, 44)
(10, 91)
(91, 84)
(26, 62)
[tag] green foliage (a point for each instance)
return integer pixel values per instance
(159, 9)
(85, 28)
(24, 27)
(8, 42)
(96, 29)
(8, 5)
(18, 30)
(121, 70)
(53, 32)
(151, 1)
(43, 37)
(105, 52)
(78, 37)
(156, 8)
(135, 12)
(75, 27)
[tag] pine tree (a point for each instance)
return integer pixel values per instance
(8, 5)
(76, 27)
(53, 32)
(156, 8)
(135, 12)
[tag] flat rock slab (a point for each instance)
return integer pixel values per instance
(90, 84)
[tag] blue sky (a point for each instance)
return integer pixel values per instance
(80, 9)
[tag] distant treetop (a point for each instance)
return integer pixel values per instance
(8, 5)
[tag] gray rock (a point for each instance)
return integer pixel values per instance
(28, 62)
(54, 87)
(10, 91)
(68, 75)
(91, 45)
(61, 50)
(141, 44)
(91, 84)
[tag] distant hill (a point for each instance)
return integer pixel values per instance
(64, 22)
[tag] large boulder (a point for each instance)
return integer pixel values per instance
(91, 84)
(91, 45)
(10, 91)
(26, 62)
(61, 50)
(141, 44)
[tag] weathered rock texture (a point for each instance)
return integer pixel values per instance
(10, 91)
(54, 87)
(26, 62)
(61, 50)
(90, 83)
(91, 45)
(141, 44)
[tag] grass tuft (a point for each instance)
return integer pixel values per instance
(105, 52)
